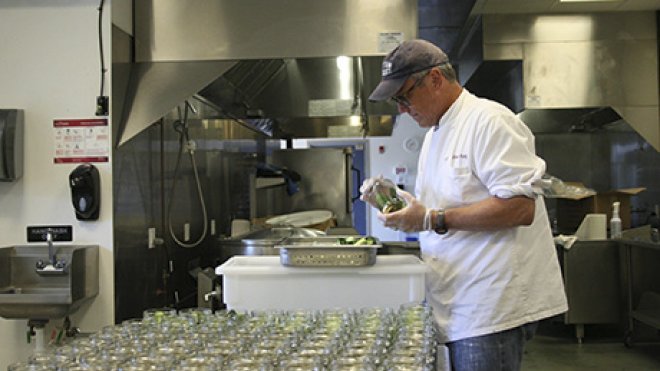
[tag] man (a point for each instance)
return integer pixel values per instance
(484, 232)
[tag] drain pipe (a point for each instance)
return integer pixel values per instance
(37, 331)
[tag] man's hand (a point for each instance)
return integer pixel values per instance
(408, 219)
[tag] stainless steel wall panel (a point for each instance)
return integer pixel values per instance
(173, 30)
(504, 51)
(595, 73)
(613, 157)
(571, 166)
(324, 174)
(584, 60)
(542, 28)
(225, 154)
(137, 207)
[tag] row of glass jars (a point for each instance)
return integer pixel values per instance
(198, 339)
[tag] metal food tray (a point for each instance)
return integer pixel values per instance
(325, 251)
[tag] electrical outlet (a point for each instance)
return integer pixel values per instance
(102, 103)
(152, 237)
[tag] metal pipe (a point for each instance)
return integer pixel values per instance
(40, 339)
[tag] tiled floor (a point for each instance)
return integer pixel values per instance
(555, 348)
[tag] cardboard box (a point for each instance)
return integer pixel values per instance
(571, 211)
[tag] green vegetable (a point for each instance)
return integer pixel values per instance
(350, 240)
(381, 200)
(393, 205)
(357, 241)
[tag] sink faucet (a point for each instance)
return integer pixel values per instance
(51, 249)
(52, 266)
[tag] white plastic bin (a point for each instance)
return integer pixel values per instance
(262, 283)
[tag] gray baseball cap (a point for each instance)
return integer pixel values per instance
(409, 57)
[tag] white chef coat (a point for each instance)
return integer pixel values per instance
(485, 282)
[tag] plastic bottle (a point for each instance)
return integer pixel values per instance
(615, 222)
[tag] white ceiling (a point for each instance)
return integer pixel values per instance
(558, 6)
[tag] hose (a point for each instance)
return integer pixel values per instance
(181, 126)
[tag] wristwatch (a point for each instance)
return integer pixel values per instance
(440, 227)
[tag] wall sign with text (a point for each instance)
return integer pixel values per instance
(81, 140)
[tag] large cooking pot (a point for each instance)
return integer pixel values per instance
(260, 242)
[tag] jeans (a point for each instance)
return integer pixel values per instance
(499, 351)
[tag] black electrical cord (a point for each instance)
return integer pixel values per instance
(103, 70)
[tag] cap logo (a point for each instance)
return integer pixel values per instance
(387, 68)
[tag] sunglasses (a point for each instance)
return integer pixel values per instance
(403, 98)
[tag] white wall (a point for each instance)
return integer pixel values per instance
(399, 149)
(49, 67)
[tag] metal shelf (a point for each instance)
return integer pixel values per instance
(647, 310)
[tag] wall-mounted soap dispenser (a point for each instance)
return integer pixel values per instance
(11, 144)
(85, 185)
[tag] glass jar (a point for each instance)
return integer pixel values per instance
(22, 366)
(382, 194)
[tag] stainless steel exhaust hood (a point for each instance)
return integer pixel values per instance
(283, 60)
(298, 87)
(587, 64)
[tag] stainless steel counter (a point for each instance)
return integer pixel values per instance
(592, 279)
(641, 259)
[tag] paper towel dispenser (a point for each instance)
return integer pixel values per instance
(11, 144)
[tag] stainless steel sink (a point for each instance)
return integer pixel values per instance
(26, 292)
